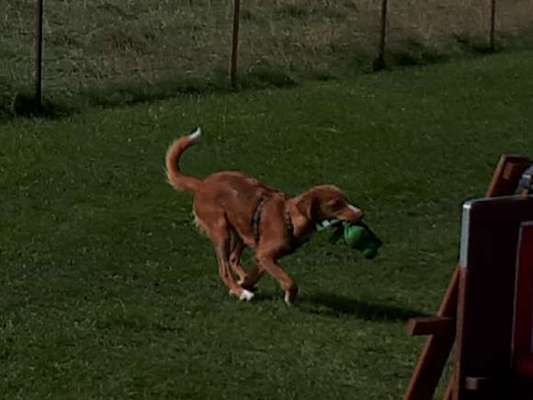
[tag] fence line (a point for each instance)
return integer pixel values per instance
(378, 63)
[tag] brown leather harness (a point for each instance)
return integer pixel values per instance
(256, 220)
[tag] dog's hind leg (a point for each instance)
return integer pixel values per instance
(219, 233)
(252, 277)
(237, 247)
(226, 276)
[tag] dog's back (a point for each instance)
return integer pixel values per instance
(239, 195)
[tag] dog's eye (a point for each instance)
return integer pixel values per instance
(335, 203)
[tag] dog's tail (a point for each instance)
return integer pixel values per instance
(174, 152)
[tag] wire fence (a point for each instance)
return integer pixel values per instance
(102, 43)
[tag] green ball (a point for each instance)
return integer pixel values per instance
(353, 234)
(359, 237)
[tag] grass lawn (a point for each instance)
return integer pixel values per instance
(108, 292)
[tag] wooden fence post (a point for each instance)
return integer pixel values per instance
(38, 49)
(379, 62)
(235, 42)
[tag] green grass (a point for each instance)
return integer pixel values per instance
(108, 292)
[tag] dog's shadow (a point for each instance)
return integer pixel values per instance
(334, 305)
(337, 306)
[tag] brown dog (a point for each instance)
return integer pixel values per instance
(237, 211)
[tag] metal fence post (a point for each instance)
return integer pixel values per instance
(235, 42)
(492, 39)
(38, 49)
(379, 62)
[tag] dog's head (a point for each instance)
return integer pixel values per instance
(327, 203)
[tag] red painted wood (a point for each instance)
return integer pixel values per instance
(524, 366)
(523, 332)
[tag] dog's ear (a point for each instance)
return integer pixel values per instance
(309, 206)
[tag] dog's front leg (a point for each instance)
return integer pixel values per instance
(269, 264)
(252, 277)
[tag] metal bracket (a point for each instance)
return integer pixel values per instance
(526, 181)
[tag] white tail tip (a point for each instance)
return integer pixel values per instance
(195, 136)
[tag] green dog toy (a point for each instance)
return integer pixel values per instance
(360, 237)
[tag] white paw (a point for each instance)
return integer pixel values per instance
(288, 299)
(246, 295)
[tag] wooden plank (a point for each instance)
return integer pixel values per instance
(448, 395)
(522, 341)
(436, 350)
(507, 175)
(430, 326)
